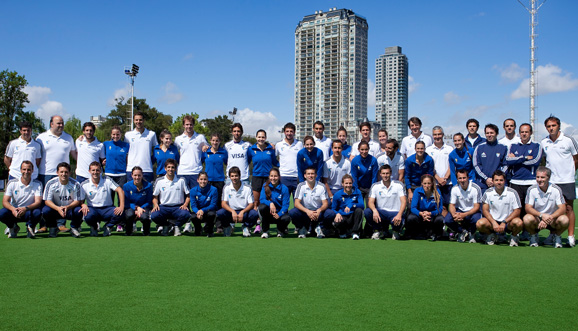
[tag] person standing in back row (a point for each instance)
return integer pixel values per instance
(141, 143)
(191, 146)
(287, 150)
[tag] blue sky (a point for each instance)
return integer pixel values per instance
(467, 58)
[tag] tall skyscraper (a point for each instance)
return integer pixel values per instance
(330, 71)
(391, 92)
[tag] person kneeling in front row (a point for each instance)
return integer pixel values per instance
(310, 206)
(139, 196)
(237, 205)
(426, 211)
(204, 199)
(347, 209)
(464, 208)
(274, 204)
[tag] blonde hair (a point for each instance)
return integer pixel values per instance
(434, 188)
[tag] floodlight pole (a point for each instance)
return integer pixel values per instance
(132, 102)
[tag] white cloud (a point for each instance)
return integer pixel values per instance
(567, 128)
(37, 95)
(370, 93)
(510, 74)
(452, 98)
(254, 120)
(412, 85)
(172, 94)
(51, 108)
(119, 93)
(551, 79)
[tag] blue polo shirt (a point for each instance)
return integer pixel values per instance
(279, 197)
(420, 202)
(134, 197)
(263, 161)
(160, 157)
(204, 199)
(215, 164)
(341, 200)
(115, 153)
(306, 159)
(364, 171)
(414, 171)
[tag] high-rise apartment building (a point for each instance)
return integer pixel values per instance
(330, 71)
(391, 92)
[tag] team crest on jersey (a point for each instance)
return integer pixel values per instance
(130, 192)
(122, 150)
(163, 188)
(456, 160)
(483, 154)
(343, 198)
(132, 139)
(304, 195)
(15, 192)
(158, 153)
(197, 197)
(530, 151)
(109, 147)
(497, 154)
(17, 147)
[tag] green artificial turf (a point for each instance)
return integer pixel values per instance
(281, 283)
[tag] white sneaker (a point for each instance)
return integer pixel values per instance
(30, 232)
(472, 237)
(355, 236)
(550, 240)
(490, 239)
(12, 233)
(246, 232)
(177, 231)
(463, 236)
(395, 235)
(280, 234)
(558, 241)
(302, 233)
(319, 231)
(514, 241)
(265, 235)
(188, 227)
(375, 235)
(571, 241)
(534, 240)
(159, 229)
(7, 231)
(74, 231)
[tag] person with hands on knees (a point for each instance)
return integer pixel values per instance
(501, 211)
(310, 205)
(237, 205)
(347, 208)
(204, 198)
(426, 211)
(139, 196)
(99, 207)
(386, 205)
(274, 204)
(464, 209)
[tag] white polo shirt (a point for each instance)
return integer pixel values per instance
(396, 164)
(311, 199)
(170, 192)
(238, 199)
(55, 149)
(374, 149)
(408, 143)
(237, 157)
(501, 206)
(88, 153)
(20, 150)
(387, 198)
(191, 150)
(287, 154)
(98, 195)
(141, 146)
(62, 195)
(464, 200)
(441, 158)
(508, 143)
(334, 172)
(559, 158)
(23, 195)
(545, 202)
(324, 144)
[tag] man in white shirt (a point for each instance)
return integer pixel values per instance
(89, 150)
(501, 211)
(286, 150)
(394, 159)
(321, 141)
(310, 206)
(545, 209)
(335, 168)
(440, 152)
(561, 153)
(62, 198)
(237, 205)
(510, 138)
(170, 200)
(408, 143)
(142, 142)
(464, 207)
(23, 148)
(98, 206)
(191, 146)
(386, 205)
(57, 145)
(22, 201)
(365, 131)
(238, 151)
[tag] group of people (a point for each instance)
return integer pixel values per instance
(419, 186)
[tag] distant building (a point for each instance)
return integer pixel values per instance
(391, 92)
(330, 71)
(97, 120)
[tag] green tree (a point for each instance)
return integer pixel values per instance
(73, 127)
(37, 124)
(177, 127)
(220, 124)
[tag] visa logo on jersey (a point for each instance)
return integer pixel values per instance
(238, 156)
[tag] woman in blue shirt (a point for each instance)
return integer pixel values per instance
(203, 205)
(262, 154)
(364, 169)
(347, 205)
(425, 217)
(164, 151)
(416, 166)
(138, 197)
(116, 153)
(309, 157)
(215, 160)
(342, 135)
(461, 158)
(274, 204)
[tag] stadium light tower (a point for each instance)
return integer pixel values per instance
(131, 72)
(233, 113)
(533, 10)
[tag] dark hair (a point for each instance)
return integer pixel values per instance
(89, 124)
(116, 127)
(215, 134)
(528, 124)
(52, 118)
(289, 126)
(319, 123)
(499, 173)
(341, 128)
(234, 170)
(267, 188)
(363, 142)
(135, 168)
(384, 131)
(509, 119)
(420, 142)
(139, 113)
(237, 125)
(202, 173)
(63, 165)
(308, 138)
(25, 124)
(414, 120)
(164, 133)
(170, 161)
(394, 142)
(462, 171)
(346, 176)
(95, 164)
(336, 141)
(261, 130)
(473, 120)
(188, 118)
(363, 124)
(385, 167)
(26, 162)
(552, 118)
(492, 127)
(459, 134)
